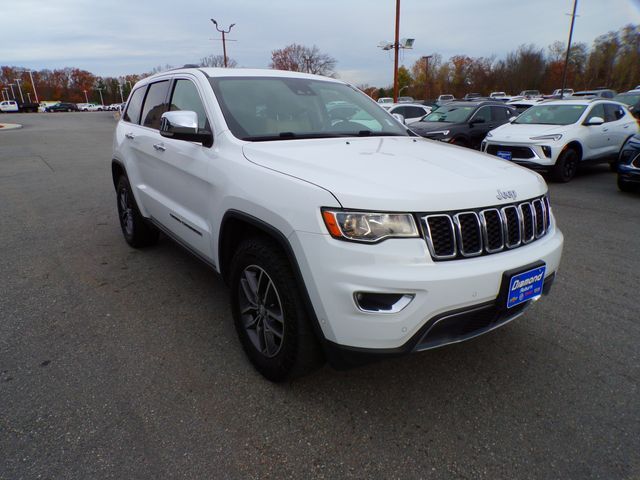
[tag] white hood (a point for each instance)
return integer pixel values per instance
(397, 173)
(522, 133)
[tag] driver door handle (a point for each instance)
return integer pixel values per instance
(160, 147)
(130, 135)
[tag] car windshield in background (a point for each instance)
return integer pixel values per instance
(449, 114)
(627, 98)
(280, 108)
(551, 115)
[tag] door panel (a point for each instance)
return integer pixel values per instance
(596, 136)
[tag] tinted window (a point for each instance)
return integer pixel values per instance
(132, 114)
(612, 112)
(401, 110)
(449, 114)
(414, 112)
(185, 97)
(155, 104)
(500, 113)
(483, 113)
(596, 111)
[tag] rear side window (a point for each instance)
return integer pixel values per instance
(413, 112)
(612, 112)
(132, 114)
(155, 104)
(185, 97)
(500, 113)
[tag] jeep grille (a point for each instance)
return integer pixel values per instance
(472, 233)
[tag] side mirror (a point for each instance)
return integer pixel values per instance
(594, 121)
(476, 120)
(399, 117)
(183, 125)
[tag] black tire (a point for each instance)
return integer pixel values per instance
(269, 314)
(625, 186)
(137, 231)
(613, 166)
(566, 166)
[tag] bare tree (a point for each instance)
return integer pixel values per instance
(298, 58)
(217, 61)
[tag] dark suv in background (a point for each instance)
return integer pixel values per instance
(62, 107)
(463, 123)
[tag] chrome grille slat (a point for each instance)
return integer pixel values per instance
(484, 231)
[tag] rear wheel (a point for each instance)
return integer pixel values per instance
(566, 166)
(269, 314)
(136, 230)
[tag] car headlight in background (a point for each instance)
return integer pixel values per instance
(438, 132)
(369, 226)
(554, 137)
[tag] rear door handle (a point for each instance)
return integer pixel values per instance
(160, 147)
(130, 135)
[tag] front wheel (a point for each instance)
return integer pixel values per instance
(136, 230)
(566, 166)
(625, 186)
(269, 314)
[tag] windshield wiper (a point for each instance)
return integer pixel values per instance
(302, 136)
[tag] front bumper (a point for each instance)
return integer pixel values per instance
(535, 159)
(334, 270)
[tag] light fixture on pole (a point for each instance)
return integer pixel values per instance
(396, 45)
(224, 42)
(18, 80)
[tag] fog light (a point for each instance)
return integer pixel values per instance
(546, 149)
(382, 302)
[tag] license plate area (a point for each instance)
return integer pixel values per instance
(525, 286)
(504, 154)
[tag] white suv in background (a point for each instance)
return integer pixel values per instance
(411, 112)
(558, 135)
(340, 233)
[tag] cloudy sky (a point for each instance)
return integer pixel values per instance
(115, 37)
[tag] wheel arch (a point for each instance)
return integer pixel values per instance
(575, 145)
(235, 226)
(117, 169)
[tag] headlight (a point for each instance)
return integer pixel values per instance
(555, 137)
(438, 132)
(489, 135)
(369, 226)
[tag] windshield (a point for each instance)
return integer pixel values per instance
(628, 99)
(551, 114)
(280, 108)
(449, 114)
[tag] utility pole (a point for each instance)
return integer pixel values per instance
(33, 84)
(426, 75)
(566, 58)
(396, 47)
(224, 42)
(18, 80)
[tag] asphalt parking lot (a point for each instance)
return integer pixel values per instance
(116, 363)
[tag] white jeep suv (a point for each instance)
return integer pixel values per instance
(557, 136)
(341, 234)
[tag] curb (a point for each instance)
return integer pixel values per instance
(9, 126)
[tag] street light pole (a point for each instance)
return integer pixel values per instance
(396, 47)
(224, 43)
(121, 97)
(13, 95)
(566, 58)
(86, 99)
(18, 80)
(426, 75)
(29, 96)
(100, 91)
